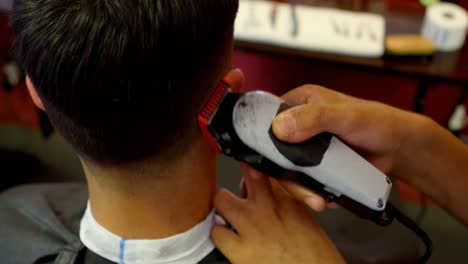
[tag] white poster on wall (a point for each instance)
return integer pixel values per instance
(311, 28)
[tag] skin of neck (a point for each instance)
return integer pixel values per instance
(154, 198)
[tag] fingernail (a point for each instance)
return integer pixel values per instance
(220, 221)
(241, 183)
(311, 202)
(255, 174)
(287, 125)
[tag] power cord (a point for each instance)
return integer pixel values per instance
(394, 212)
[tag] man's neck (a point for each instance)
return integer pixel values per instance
(154, 202)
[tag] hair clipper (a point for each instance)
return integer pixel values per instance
(239, 125)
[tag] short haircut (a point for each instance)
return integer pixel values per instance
(123, 80)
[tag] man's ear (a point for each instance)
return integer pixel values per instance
(32, 91)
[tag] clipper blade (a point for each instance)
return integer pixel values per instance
(209, 111)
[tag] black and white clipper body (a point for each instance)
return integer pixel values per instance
(239, 125)
(324, 158)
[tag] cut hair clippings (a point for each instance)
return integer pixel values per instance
(239, 125)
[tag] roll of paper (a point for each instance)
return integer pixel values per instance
(446, 25)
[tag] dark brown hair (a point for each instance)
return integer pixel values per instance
(123, 80)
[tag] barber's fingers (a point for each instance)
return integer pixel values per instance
(296, 191)
(231, 208)
(226, 241)
(243, 188)
(235, 78)
(258, 187)
(313, 200)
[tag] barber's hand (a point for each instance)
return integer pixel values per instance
(272, 227)
(375, 130)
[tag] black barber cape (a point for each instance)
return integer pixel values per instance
(40, 224)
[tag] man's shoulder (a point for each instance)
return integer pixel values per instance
(40, 221)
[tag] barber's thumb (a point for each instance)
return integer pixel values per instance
(299, 123)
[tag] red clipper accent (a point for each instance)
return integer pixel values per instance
(209, 110)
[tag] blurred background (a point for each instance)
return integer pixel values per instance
(432, 83)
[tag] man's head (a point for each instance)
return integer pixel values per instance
(123, 80)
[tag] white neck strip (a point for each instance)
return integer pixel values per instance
(185, 248)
